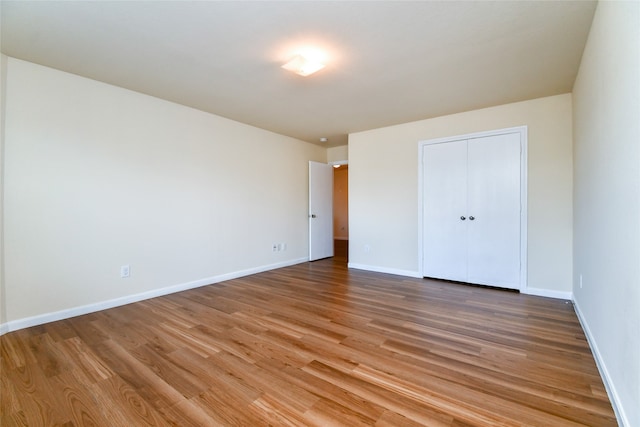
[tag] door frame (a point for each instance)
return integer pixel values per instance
(522, 131)
(334, 164)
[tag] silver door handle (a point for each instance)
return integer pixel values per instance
(313, 215)
(471, 218)
(462, 218)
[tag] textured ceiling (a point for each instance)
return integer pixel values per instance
(389, 62)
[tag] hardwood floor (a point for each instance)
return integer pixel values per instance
(341, 250)
(312, 344)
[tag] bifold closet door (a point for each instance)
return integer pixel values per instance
(444, 211)
(471, 210)
(493, 197)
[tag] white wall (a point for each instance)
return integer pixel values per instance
(97, 177)
(3, 81)
(338, 154)
(607, 199)
(383, 187)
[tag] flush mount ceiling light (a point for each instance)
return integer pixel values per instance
(302, 65)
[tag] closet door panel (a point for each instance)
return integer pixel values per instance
(445, 233)
(494, 204)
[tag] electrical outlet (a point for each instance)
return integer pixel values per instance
(274, 247)
(124, 271)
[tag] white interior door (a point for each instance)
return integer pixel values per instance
(494, 204)
(445, 211)
(320, 211)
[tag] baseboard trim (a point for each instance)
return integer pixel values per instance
(395, 271)
(548, 293)
(40, 319)
(618, 409)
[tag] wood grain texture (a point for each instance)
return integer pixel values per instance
(313, 344)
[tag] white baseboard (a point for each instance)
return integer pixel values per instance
(621, 416)
(40, 319)
(397, 272)
(548, 293)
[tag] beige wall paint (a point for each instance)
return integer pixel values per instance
(607, 199)
(338, 154)
(3, 83)
(341, 203)
(383, 187)
(97, 177)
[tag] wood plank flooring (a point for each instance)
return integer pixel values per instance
(313, 344)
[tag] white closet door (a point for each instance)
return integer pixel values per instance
(494, 204)
(445, 233)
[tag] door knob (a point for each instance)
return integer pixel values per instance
(471, 218)
(313, 215)
(462, 218)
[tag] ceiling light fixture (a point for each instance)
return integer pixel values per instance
(323, 139)
(302, 65)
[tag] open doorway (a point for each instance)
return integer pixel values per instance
(341, 212)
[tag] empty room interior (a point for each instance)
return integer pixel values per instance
(323, 213)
